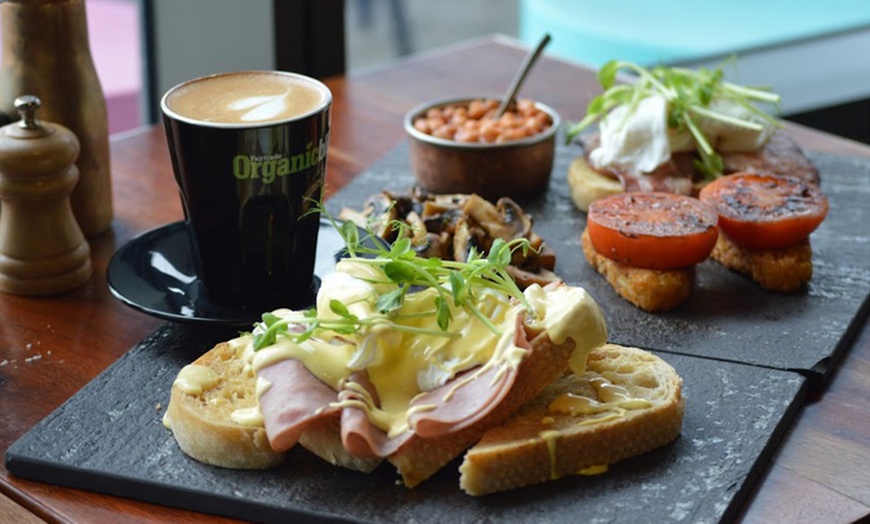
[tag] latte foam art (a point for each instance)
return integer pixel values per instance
(246, 98)
(258, 108)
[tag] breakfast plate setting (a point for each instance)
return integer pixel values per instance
(742, 386)
(499, 382)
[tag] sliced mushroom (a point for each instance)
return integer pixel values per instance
(440, 217)
(504, 220)
(525, 278)
(347, 214)
(468, 236)
(449, 226)
(453, 200)
(514, 218)
(381, 211)
(435, 246)
(416, 228)
(482, 212)
(403, 204)
(542, 258)
(535, 241)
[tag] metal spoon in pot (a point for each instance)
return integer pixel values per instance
(510, 98)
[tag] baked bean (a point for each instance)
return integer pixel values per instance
(526, 107)
(489, 131)
(422, 125)
(475, 122)
(467, 135)
(446, 131)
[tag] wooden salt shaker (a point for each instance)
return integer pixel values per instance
(42, 248)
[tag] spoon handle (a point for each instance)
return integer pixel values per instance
(528, 62)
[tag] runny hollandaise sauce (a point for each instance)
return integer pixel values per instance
(410, 354)
(610, 402)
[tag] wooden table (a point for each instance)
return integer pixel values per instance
(51, 347)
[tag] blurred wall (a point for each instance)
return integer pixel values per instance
(199, 37)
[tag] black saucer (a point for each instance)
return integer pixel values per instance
(154, 273)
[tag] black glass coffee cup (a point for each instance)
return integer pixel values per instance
(249, 154)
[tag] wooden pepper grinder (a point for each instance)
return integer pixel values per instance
(42, 248)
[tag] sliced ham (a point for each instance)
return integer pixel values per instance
(358, 435)
(780, 156)
(674, 176)
(295, 398)
(462, 402)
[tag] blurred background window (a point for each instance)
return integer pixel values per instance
(115, 34)
(378, 31)
(813, 53)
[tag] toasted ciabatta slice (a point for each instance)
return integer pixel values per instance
(422, 457)
(202, 421)
(627, 402)
(201, 405)
(648, 289)
(200, 415)
(783, 269)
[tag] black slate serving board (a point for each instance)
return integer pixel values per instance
(728, 317)
(109, 438)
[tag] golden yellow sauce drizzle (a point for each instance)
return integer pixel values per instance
(251, 416)
(550, 436)
(396, 361)
(193, 379)
(597, 469)
(613, 402)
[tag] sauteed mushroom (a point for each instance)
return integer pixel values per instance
(449, 226)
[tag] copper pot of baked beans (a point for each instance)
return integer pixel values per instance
(457, 146)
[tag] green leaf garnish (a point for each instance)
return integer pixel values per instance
(340, 309)
(455, 282)
(444, 314)
(457, 285)
(688, 93)
(392, 301)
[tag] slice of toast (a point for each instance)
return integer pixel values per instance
(649, 289)
(538, 444)
(202, 423)
(421, 458)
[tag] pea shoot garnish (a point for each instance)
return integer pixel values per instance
(689, 95)
(456, 283)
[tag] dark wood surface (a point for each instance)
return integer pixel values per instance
(51, 347)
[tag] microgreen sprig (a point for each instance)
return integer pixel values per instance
(457, 283)
(688, 93)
